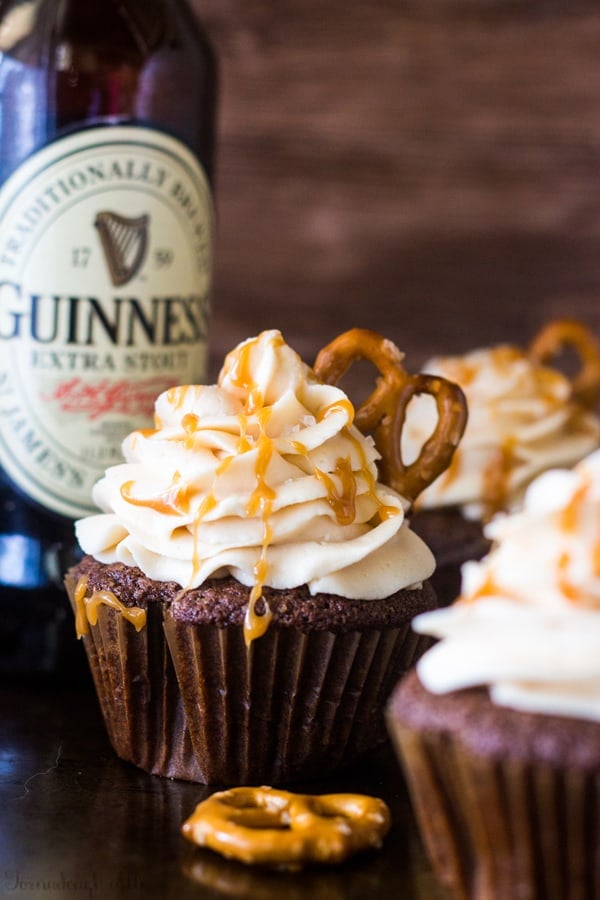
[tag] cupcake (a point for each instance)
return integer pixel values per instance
(247, 589)
(498, 727)
(525, 416)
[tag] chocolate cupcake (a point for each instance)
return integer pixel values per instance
(498, 728)
(246, 597)
(525, 416)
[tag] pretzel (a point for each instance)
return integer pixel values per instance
(383, 413)
(555, 336)
(266, 826)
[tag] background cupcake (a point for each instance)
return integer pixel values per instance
(247, 593)
(525, 416)
(498, 729)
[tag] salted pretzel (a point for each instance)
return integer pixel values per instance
(557, 335)
(383, 413)
(270, 827)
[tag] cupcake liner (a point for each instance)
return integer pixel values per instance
(138, 693)
(191, 701)
(502, 829)
(291, 706)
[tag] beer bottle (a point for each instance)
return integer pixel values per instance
(107, 120)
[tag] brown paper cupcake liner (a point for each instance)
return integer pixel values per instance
(138, 693)
(192, 702)
(502, 830)
(292, 706)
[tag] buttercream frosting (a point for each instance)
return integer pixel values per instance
(262, 476)
(522, 421)
(527, 623)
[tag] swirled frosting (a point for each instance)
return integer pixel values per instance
(262, 476)
(522, 421)
(527, 623)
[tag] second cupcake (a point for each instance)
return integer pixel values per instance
(525, 416)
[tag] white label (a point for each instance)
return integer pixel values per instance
(106, 245)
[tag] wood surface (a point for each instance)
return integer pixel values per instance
(428, 169)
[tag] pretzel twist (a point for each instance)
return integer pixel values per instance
(383, 413)
(561, 333)
(266, 826)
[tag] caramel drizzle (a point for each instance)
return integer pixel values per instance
(87, 608)
(340, 486)
(496, 476)
(263, 496)
(174, 501)
(343, 500)
(569, 519)
(260, 503)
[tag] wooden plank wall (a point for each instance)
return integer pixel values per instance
(428, 169)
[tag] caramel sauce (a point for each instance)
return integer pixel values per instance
(176, 396)
(244, 442)
(174, 501)
(86, 608)
(496, 476)
(487, 589)
(451, 474)
(385, 511)
(569, 522)
(498, 471)
(342, 500)
(567, 589)
(255, 625)
(571, 512)
(260, 503)
(190, 423)
(342, 405)
(596, 558)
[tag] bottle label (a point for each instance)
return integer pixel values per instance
(106, 245)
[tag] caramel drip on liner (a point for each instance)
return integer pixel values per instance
(87, 608)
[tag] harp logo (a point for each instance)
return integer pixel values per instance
(106, 246)
(124, 242)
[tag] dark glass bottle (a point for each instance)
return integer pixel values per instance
(107, 131)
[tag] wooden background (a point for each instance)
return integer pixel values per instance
(428, 169)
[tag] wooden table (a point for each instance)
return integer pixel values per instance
(76, 823)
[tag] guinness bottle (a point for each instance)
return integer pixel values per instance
(107, 111)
